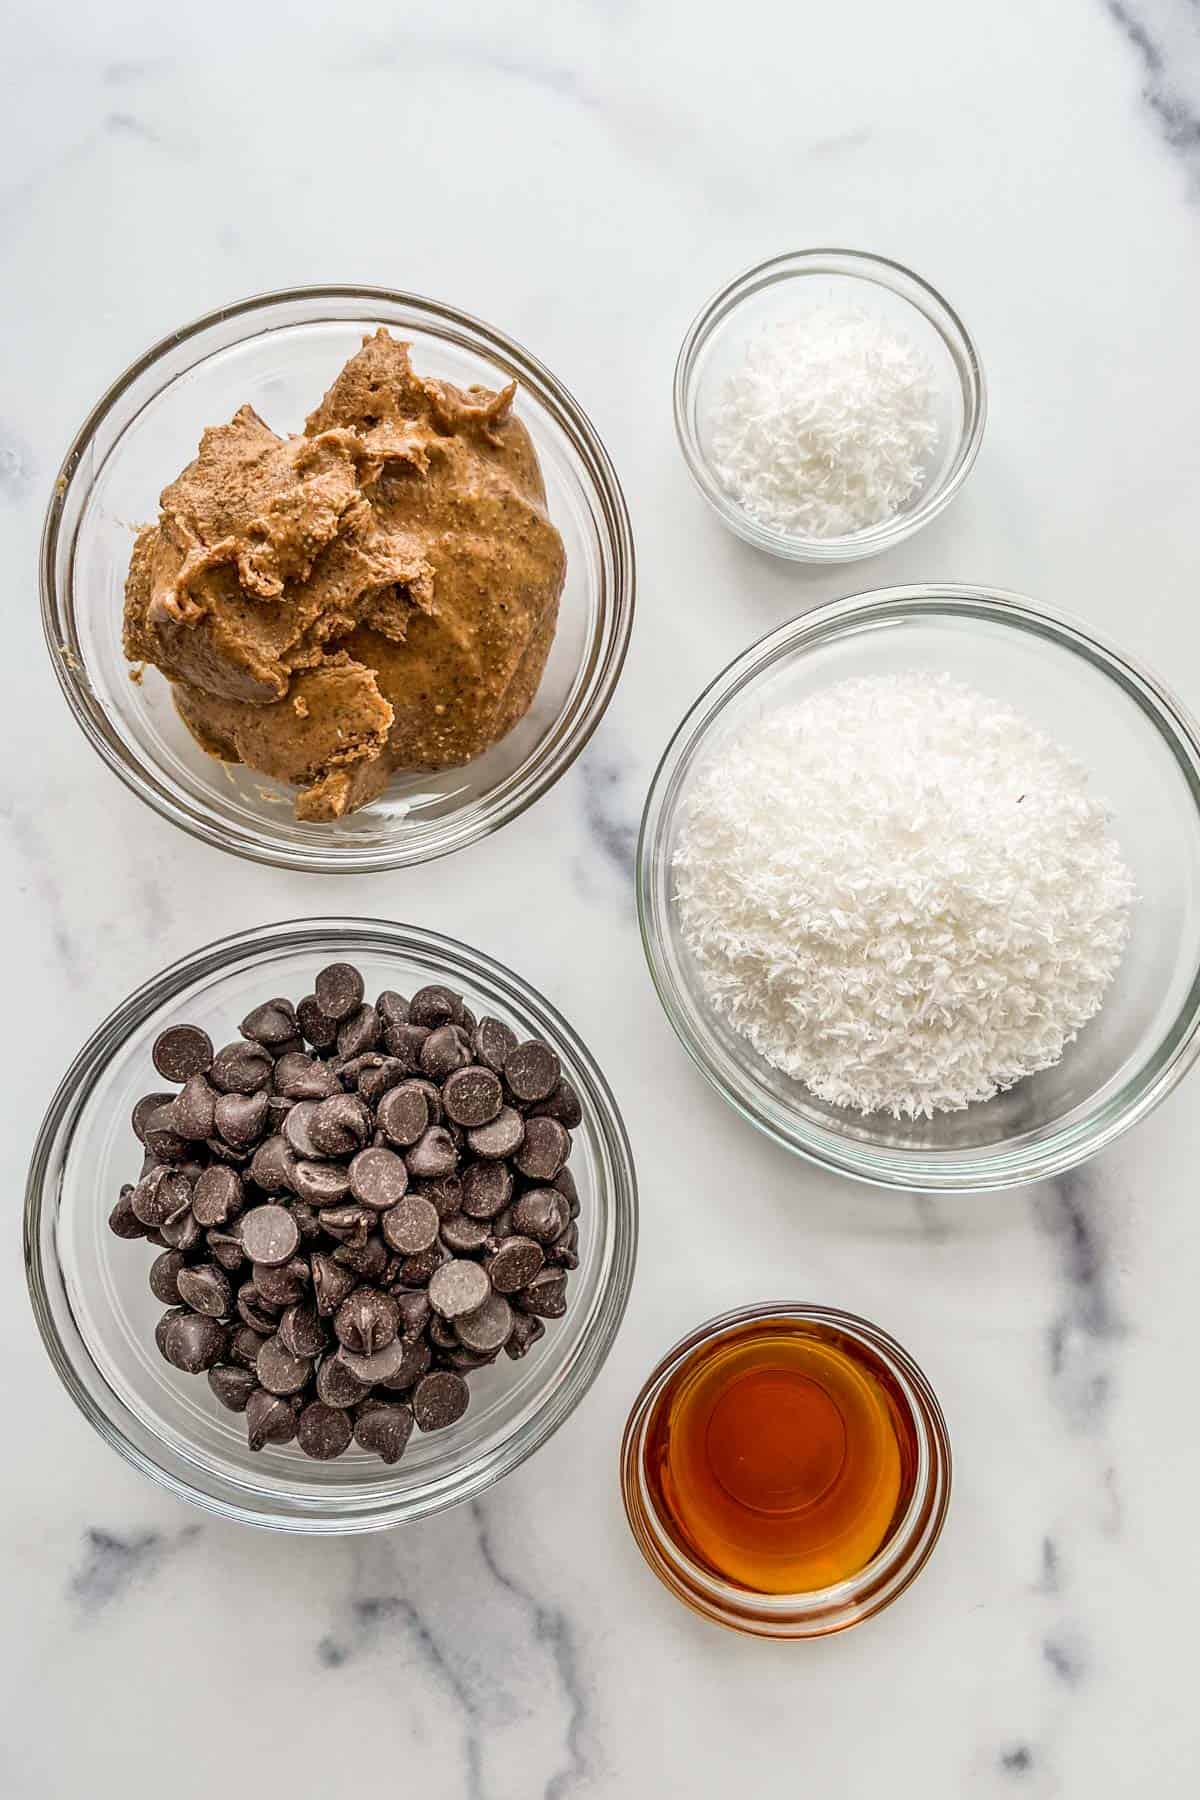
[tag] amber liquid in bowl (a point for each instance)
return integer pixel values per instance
(781, 1456)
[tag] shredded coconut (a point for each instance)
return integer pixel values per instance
(828, 426)
(901, 893)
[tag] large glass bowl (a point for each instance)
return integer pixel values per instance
(97, 1315)
(1143, 753)
(280, 352)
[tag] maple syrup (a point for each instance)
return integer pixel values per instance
(781, 1454)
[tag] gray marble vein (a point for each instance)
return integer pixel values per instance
(114, 1565)
(1165, 34)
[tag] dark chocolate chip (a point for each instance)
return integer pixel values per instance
(272, 1166)
(323, 1432)
(532, 1071)
(369, 1260)
(545, 1150)
(269, 1420)
(433, 1154)
(412, 1224)
(439, 1399)
(244, 1346)
(156, 1196)
(349, 1224)
(392, 1008)
(403, 1113)
(545, 1295)
(282, 1284)
(279, 1371)
(486, 1189)
(320, 1030)
(232, 1385)
(486, 1330)
(378, 1178)
(163, 1272)
(414, 1310)
(225, 1247)
(526, 1331)
(563, 1105)
(193, 1342)
(218, 1195)
(181, 1231)
(336, 1386)
(338, 1126)
(148, 1104)
(502, 1137)
(300, 1077)
(193, 1110)
(462, 1235)
(444, 1050)
(564, 1251)
(414, 1362)
(378, 1077)
(320, 1184)
(297, 1130)
(404, 1043)
(122, 1219)
(444, 1194)
(270, 1234)
(384, 1430)
(273, 1024)
(417, 1271)
(339, 990)
(180, 1051)
(458, 1287)
(241, 1119)
(515, 1264)
(472, 1096)
(493, 1041)
(161, 1139)
(381, 1365)
(433, 1006)
(367, 1321)
(441, 1333)
(206, 1290)
(301, 1330)
(359, 1033)
(542, 1213)
(254, 1311)
(564, 1181)
(241, 1068)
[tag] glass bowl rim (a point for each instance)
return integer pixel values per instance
(441, 1490)
(972, 1171)
(608, 644)
(816, 1612)
(883, 272)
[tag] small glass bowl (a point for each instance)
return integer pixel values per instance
(823, 1611)
(784, 288)
(1142, 751)
(280, 352)
(97, 1315)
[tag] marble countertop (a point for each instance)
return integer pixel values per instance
(585, 176)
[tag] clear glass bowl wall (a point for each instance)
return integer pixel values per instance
(97, 1314)
(1143, 756)
(280, 352)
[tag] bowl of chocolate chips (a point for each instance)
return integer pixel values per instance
(330, 1225)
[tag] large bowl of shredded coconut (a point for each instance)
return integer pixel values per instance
(919, 881)
(828, 404)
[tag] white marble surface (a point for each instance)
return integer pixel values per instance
(585, 175)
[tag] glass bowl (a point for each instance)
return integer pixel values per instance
(280, 352)
(1142, 751)
(908, 1545)
(97, 1315)
(784, 289)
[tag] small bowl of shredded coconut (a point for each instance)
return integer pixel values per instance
(919, 881)
(828, 404)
